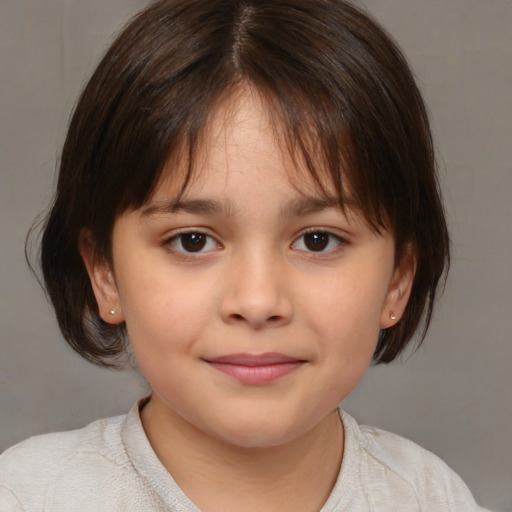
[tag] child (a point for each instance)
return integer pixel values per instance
(248, 198)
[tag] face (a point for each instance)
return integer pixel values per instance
(253, 304)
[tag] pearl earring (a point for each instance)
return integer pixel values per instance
(392, 315)
(112, 311)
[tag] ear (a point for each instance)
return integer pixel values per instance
(399, 290)
(102, 280)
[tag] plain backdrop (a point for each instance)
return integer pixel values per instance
(453, 396)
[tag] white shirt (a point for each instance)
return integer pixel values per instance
(110, 466)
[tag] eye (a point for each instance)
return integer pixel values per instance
(318, 241)
(192, 242)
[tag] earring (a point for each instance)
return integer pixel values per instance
(112, 311)
(392, 315)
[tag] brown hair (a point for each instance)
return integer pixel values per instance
(334, 79)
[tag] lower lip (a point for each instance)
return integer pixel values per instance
(257, 374)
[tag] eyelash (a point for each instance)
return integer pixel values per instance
(178, 238)
(183, 252)
(325, 233)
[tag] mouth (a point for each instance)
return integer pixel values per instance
(255, 368)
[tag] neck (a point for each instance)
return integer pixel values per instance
(218, 476)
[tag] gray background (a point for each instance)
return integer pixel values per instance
(452, 397)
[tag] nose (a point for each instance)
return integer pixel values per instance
(256, 293)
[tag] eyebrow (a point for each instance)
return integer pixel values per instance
(309, 205)
(199, 206)
(300, 207)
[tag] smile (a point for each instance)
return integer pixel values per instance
(255, 368)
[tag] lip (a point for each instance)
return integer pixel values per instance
(255, 368)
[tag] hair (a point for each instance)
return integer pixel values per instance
(343, 95)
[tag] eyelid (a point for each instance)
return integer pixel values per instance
(342, 240)
(174, 235)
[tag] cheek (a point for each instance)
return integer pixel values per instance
(345, 313)
(166, 311)
(348, 302)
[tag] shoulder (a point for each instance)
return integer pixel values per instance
(30, 469)
(402, 455)
(395, 467)
(57, 449)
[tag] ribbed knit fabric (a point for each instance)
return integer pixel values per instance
(110, 466)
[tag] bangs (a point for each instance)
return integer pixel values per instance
(308, 133)
(329, 119)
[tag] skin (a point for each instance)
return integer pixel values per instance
(255, 287)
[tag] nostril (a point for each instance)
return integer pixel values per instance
(271, 319)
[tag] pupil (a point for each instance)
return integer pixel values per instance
(316, 241)
(193, 242)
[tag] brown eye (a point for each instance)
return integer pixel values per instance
(192, 242)
(317, 241)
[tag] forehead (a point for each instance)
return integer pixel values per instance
(242, 139)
